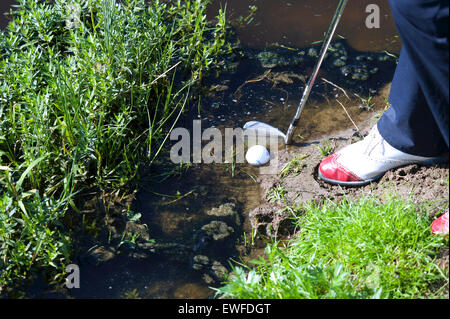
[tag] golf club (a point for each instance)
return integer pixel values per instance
(263, 128)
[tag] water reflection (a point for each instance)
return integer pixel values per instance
(299, 22)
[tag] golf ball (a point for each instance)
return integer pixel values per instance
(257, 155)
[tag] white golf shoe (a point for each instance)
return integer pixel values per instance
(366, 161)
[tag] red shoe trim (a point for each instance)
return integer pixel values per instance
(331, 169)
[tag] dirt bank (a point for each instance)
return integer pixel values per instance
(421, 184)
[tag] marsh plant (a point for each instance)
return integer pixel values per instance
(366, 103)
(294, 166)
(325, 148)
(89, 89)
(277, 194)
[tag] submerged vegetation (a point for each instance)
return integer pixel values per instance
(89, 89)
(353, 249)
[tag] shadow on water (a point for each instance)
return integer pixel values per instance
(195, 217)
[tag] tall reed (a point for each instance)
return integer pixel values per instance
(89, 89)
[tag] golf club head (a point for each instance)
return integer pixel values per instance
(259, 133)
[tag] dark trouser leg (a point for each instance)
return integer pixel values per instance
(417, 121)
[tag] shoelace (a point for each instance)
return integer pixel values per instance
(372, 143)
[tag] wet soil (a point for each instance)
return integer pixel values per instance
(422, 184)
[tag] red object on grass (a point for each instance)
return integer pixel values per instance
(440, 225)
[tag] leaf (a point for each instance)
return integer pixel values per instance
(29, 168)
(22, 207)
(135, 217)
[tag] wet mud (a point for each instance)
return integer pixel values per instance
(421, 184)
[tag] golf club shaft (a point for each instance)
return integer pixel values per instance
(309, 85)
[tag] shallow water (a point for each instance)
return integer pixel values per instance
(236, 102)
(248, 93)
(298, 23)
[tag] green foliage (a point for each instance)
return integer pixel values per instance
(293, 167)
(277, 194)
(366, 103)
(364, 249)
(29, 236)
(279, 278)
(91, 88)
(325, 148)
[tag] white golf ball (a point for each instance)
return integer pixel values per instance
(257, 155)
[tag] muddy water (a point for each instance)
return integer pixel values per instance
(299, 22)
(174, 208)
(252, 92)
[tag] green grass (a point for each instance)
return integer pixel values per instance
(89, 90)
(364, 249)
(293, 167)
(325, 148)
(366, 103)
(277, 194)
